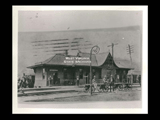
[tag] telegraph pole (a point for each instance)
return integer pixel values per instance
(112, 52)
(130, 51)
(112, 61)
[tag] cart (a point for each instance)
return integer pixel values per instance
(123, 86)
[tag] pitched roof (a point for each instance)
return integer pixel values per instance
(97, 60)
(58, 59)
(123, 63)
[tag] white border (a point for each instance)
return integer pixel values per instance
(144, 108)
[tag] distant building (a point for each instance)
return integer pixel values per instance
(136, 75)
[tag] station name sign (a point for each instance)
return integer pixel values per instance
(77, 60)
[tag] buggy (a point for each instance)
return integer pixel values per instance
(87, 88)
(101, 87)
(104, 87)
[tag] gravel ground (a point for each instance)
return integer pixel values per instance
(131, 95)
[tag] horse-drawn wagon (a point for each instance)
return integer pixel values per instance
(106, 87)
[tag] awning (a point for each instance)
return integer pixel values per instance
(134, 72)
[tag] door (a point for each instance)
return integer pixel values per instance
(87, 82)
(52, 78)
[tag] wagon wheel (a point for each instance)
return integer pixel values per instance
(120, 87)
(86, 88)
(129, 87)
(107, 88)
(115, 87)
(125, 87)
(98, 88)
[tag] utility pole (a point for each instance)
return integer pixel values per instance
(130, 51)
(112, 52)
(112, 60)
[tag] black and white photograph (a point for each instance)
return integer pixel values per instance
(79, 58)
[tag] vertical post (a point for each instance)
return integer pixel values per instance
(112, 66)
(91, 71)
(130, 54)
(46, 75)
(131, 64)
(112, 54)
(96, 51)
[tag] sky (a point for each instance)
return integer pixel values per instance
(58, 20)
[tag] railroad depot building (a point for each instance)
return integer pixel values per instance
(49, 49)
(67, 71)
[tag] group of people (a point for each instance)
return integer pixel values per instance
(25, 82)
(53, 80)
(105, 81)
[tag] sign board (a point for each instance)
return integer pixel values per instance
(53, 70)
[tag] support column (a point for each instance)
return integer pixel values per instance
(46, 75)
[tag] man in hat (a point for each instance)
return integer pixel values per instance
(49, 80)
(111, 82)
(104, 79)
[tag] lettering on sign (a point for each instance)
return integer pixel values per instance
(53, 70)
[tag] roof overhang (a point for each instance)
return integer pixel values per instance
(34, 66)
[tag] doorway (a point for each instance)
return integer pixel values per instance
(87, 80)
(52, 78)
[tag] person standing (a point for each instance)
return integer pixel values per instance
(24, 81)
(111, 83)
(54, 79)
(77, 80)
(94, 83)
(104, 79)
(49, 81)
(139, 77)
(105, 82)
(19, 84)
(118, 78)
